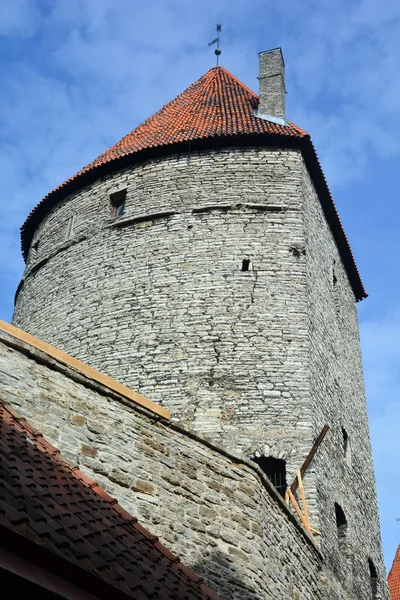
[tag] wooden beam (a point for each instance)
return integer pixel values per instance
(310, 456)
(84, 369)
(298, 510)
(303, 499)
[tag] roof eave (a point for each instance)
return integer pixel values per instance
(303, 143)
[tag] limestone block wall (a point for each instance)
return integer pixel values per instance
(257, 360)
(215, 510)
(157, 298)
(344, 471)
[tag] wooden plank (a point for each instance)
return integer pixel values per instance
(298, 510)
(310, 456)
(303, 498)
(84, 369)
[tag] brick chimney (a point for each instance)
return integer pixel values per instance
(272, 84)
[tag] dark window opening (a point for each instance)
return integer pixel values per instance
(341, 524)
(373, 575)
(334, 278)
(345, 439)
(346, 446)
(117, 200)
(275, 470)
(246, 264)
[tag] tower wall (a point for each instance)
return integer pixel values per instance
(258, 360)
(162, 304)
(216, 511)
(343, 469)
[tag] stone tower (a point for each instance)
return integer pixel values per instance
(201, 262)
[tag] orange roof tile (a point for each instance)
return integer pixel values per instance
(67, 513)
(394, 577)
(216, 106)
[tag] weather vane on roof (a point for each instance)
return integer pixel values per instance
(216, 41)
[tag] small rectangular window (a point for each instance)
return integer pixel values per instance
(117, 201)
(246, 265)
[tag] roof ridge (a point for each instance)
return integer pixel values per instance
(216, 110)
(42, 444)
(238, 81)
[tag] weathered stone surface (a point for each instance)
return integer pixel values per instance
(257, 361)
(241, 549)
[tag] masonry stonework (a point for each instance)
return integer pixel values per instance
(216, 510)
(344, 472)
(161, 304)
(256, 360)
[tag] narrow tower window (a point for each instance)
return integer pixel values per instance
(346, 446)
(334, 278)
(246, 265)
(341, 524)
(373, 575)
(117, 201)
(275, 470)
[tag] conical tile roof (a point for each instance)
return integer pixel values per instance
(394, 577)
(215, 107)
(217, 104)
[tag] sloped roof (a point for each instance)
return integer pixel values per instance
(394, 577)
(216, 107)
(56, 506)
(217, 104)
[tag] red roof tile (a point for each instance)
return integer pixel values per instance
(394, 577)
(51, 503)
(215, 106)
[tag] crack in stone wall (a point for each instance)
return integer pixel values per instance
(162, 306)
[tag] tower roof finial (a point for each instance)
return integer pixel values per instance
(216, 41)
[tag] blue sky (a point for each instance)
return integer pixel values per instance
(77, 75)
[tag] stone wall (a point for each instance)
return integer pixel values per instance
(215, 510)
(344, 471)
(258, 360)
(160, 303)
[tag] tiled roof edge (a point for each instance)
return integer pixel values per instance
(332, 217)
(43, 445)
(57, 571)
(393, 578)
(271, 139)
(92, 172)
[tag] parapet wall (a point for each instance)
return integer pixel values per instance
(215, 510)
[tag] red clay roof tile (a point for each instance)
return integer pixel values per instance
(217, 105)
(52, 504)
(394, 577)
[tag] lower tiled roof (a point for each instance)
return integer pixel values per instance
(394, 577)
(56, 506)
